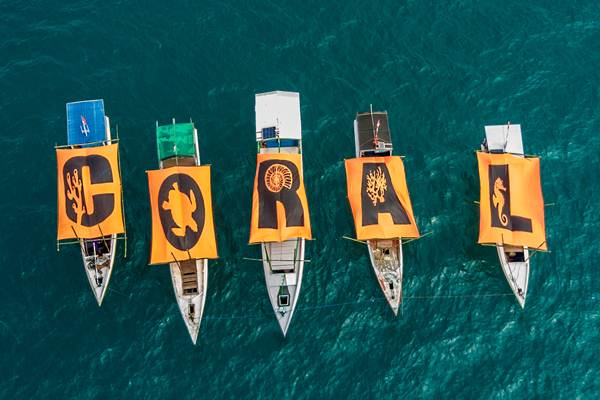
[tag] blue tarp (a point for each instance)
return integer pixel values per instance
(282, 143)
(268, 133)
(85, 122)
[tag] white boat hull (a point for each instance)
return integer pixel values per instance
(385, 254)
(283, 264)
(386, 259)
(191, 304)
(190, 284)
(517, 273)
(98, 269)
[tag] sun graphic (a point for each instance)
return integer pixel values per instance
(278, 177)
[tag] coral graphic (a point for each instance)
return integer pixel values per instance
(376, 186)
(74, 193)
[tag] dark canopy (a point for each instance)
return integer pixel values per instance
(367, 125)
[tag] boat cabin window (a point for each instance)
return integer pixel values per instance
(515, 256)
(275, 143)
(375, 153)
(100, 246)
(283, 300)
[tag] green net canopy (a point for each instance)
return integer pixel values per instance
(175, 140)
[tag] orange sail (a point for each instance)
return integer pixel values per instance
(379, 198)
(89, 192)
(511, 203)
(279, 206)
(182, 216)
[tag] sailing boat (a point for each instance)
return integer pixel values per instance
(380, 202)
(182, 222)
(511, 204)
(89, 191)
(280, 219)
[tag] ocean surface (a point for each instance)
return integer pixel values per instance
(442, 69)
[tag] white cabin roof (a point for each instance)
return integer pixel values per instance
(280, 110)
(504, 137)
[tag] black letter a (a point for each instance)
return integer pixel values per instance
(378, 196)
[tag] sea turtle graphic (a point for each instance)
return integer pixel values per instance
(182, 215)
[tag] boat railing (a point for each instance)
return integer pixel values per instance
(90, 144)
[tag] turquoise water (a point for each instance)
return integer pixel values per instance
(441, 69)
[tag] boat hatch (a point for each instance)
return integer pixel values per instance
(192, 309)
(100, 245)
(189, 278)
(283, 300)
(283, 297)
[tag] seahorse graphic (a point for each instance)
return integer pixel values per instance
(498, 200)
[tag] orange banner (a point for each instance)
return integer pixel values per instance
(89, 192)
(182, 215)
(511, 204)
(379, 198)
(279, 206)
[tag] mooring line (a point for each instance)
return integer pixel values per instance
(219, 317)
(331, 305)
(372, 300)
(457, 296)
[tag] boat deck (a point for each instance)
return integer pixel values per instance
(189, 277)
(178, 161)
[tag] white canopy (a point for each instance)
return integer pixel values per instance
(504, 137)
(280, 110)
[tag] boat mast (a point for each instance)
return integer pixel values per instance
(375, 136)
(506, 137)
